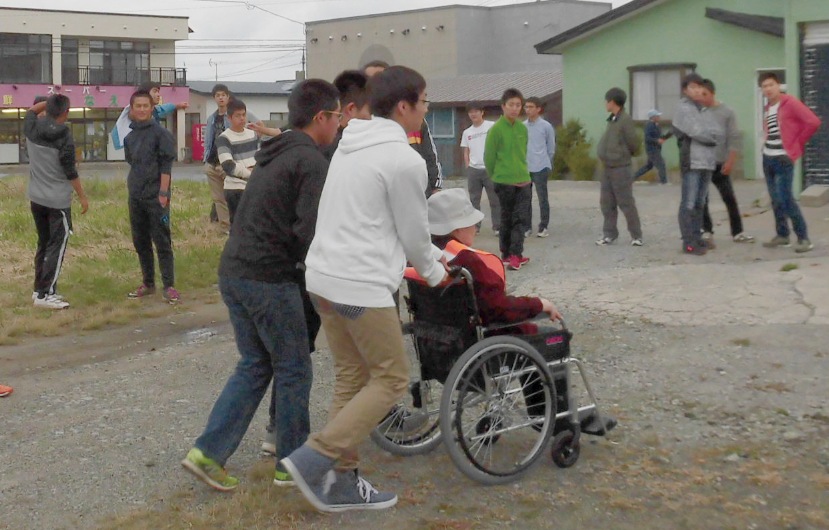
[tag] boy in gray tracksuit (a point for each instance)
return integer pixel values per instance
(697, 134)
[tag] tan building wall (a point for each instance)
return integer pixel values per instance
(97, 25)
(430, 51)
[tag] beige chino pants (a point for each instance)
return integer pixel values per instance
(372, 375)
(216, 181)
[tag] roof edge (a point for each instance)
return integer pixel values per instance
(554, 44)
(92, 13)
(775, 26)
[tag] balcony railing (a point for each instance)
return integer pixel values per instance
(96, 75)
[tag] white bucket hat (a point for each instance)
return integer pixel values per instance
(450, 210)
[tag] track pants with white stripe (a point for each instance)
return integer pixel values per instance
(53, 229)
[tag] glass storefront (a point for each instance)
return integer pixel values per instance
(90, 129)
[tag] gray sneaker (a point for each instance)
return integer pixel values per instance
(313, 474)
(350, 491)
(777, 241)
(803, 246)
(269, 444)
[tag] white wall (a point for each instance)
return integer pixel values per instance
(125, 27)
(261, 106)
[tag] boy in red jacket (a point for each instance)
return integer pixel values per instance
(789, 124)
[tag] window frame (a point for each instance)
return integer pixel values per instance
(683, 68)
(34, 43)
(430, 120)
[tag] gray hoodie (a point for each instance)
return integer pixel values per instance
(698, 135)
(51, 161)
(730, 138)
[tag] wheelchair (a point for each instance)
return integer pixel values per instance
(494, 398)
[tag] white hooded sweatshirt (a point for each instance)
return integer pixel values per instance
(372, 217)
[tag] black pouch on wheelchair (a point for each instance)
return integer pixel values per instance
(552, 344)
(442, 327)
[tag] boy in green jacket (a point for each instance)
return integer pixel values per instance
(505, 158)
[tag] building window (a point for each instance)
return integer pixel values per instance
(441, 123)
(279, 116)
(69, 61)
(117, 63)
(25, 58)
(656, 87)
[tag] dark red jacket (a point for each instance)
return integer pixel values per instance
(797, 124)
(490, 291)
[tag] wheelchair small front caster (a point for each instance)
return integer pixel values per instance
(565, 449)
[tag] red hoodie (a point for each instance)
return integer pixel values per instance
(797, 124)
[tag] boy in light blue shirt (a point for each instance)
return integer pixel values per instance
(541, 149)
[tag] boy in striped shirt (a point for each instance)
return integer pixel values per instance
(236, 148)
(789, 124)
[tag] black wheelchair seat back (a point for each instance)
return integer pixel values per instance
(444, 324)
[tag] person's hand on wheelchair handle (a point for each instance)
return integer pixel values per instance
(548, 307)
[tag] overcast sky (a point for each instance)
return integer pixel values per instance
(271, 46)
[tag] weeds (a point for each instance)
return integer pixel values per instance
(789, 267)
(100, 265)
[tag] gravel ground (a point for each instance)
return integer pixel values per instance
(716, 367)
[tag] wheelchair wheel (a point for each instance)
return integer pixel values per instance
(566, 448)
(412, 426)
(497, 409)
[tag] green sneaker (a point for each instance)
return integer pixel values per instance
(208, 471)
(282, 477)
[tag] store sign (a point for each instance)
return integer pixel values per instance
(98, 97)
(198, 141)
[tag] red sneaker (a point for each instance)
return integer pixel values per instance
(514, 263)
(524, 261)
(5, 390)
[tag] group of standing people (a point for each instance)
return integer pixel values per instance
(709, 143)
(507, 158)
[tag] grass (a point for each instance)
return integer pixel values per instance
(789, 267)
(101, 266)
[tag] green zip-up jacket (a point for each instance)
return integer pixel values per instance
(505, 156)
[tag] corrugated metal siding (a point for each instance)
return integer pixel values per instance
(814, 83)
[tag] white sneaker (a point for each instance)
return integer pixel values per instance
(707, 236)
(56, 295)
(543, 233)
(637, 243)
(742, 237)
(528, 233)
(605, 241)
(51, 302)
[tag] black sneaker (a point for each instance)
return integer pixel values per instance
(696, 251)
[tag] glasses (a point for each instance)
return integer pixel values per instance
(425, 101)
(339, 115)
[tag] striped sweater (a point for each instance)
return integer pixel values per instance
(236, 155)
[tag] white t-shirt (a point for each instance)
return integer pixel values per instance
(774, 144)
(474, 139)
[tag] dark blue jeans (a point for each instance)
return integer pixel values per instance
(655, 160)
(269, 323)
(779, 176)
(540, 179)
(691, 207)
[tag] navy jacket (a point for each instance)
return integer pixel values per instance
(150, 151)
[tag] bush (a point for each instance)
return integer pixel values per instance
(582, 165)
(573, 152)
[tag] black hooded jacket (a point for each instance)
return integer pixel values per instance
(276, 218)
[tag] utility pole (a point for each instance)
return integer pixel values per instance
(216, 64)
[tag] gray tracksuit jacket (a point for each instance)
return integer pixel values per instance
(698, 134)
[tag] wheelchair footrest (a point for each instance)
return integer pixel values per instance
(591, 424)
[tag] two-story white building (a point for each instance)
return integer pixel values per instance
(97, 60)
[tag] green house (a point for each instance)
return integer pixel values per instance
(647, 46)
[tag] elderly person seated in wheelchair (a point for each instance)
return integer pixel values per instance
(452, 223)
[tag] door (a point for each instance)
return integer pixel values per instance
(814, 78)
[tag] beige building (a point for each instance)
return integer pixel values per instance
(449, 41)
(97, 60)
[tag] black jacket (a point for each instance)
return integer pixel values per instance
(426, 148)
(150, 151)
(276, 218)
